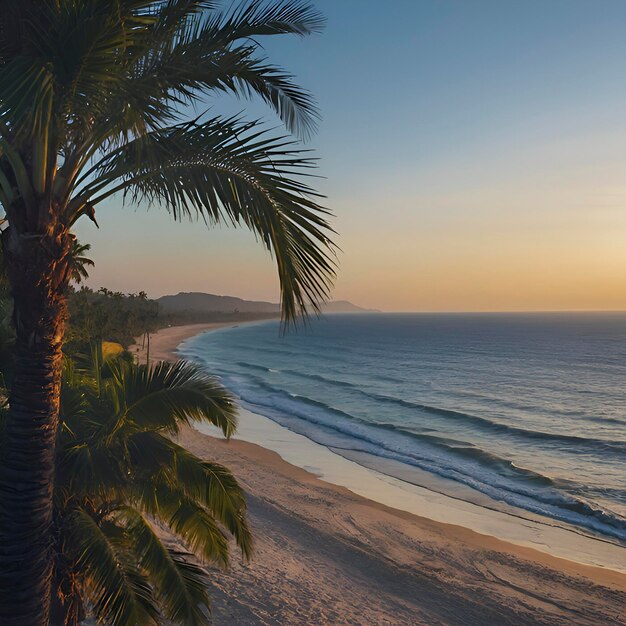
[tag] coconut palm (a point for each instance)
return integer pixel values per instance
(134, 512)
(94, 102)
(77, 262)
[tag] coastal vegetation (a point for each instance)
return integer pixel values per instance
(94, 105)
(136, 516)
(134, 513)
(110, 316)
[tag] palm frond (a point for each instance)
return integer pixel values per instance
(209, 484)
(120, 593)
(165, 396)
(28, 87)
(87, 464)
(217, 50)
(187, 519)
(255, 76)
(257, 18)
(224, 170)
(180, 585)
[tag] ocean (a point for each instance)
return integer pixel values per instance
(524, 413)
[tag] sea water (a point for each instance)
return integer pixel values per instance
(523, 412)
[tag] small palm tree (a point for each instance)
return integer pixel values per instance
(134, 511)
(94, 102)
(77, 262)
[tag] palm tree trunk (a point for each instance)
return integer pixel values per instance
(39, 284)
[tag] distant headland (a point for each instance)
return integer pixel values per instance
(203, 303)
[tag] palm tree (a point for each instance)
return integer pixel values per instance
(93, 102)
(124, 490)
(77, 262)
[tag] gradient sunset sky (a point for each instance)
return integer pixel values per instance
(474, 153)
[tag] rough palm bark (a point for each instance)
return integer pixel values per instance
(36, 267)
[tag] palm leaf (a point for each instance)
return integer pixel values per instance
(180, 586)
(253, 19)
(209, 484)
(120, 592)
(223, 170)
(188, 520)
(164, 396)
(200, 53)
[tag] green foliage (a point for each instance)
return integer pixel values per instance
(110, 316)
(121, 481)
(94, 99)
(78, 262)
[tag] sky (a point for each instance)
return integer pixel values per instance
(473, 152)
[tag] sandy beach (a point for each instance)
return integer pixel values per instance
(325, 555)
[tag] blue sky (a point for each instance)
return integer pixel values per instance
(473, 151)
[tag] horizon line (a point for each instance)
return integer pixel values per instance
(490, 311)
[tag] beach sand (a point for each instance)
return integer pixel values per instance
(324, 555)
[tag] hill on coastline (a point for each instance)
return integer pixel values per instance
(210, 303)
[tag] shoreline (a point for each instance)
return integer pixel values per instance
(165, 341)
(425, 503)
(426, 499)
(257, 468)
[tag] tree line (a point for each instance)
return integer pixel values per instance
(110, 316)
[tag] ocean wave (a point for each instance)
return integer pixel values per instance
(511, 403)
(494, 476)
(529, 414)
(600, 446)
(253, 366)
